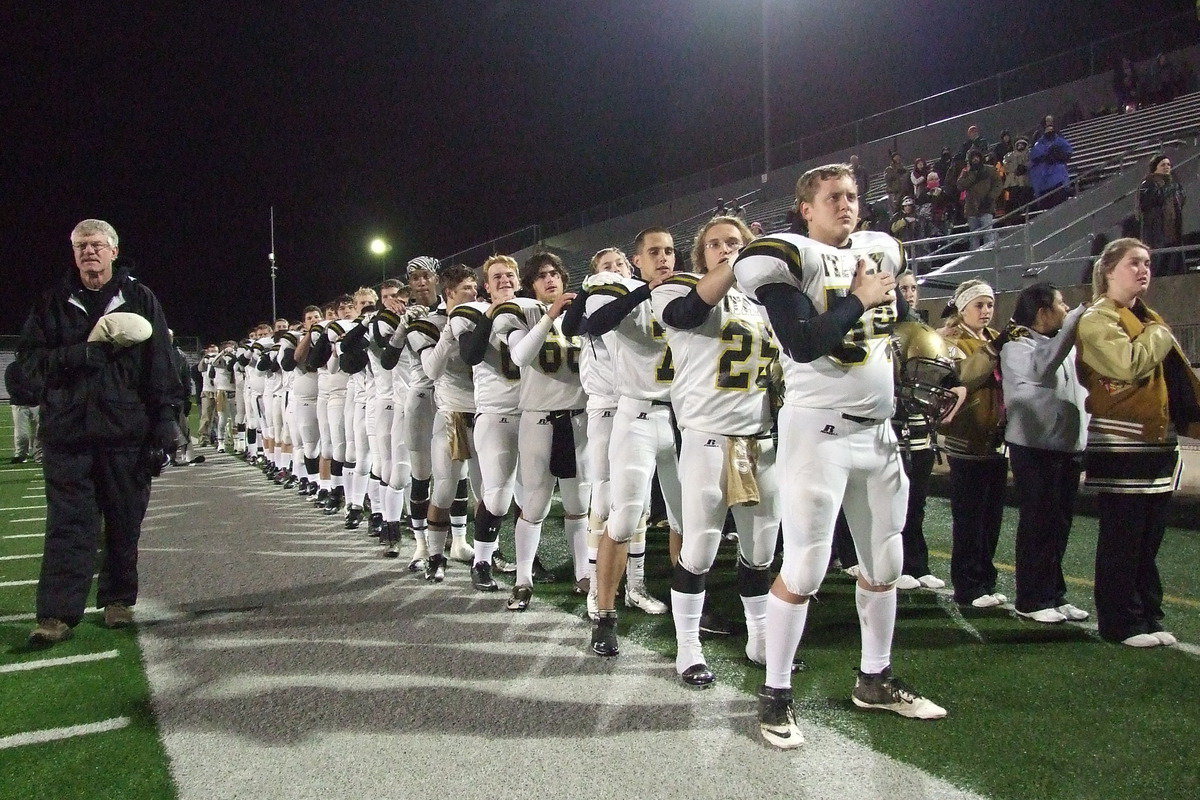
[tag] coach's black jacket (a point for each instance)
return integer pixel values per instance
(92, 394)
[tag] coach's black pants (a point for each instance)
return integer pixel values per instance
(87, 489)
(1128, 589)
(1047, 482)
(918, 465)
(977, 509)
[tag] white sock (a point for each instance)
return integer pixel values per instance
(756, 627)
(686, 610)
(635, 567)
(876, 621)
(325, 483)
(576, 531)
(375, 492)
(350, 481)
(528, 537)
(393, 504)
(458, 528)
(785, 626)
(435, 538)
(593, 547)
(484, 550)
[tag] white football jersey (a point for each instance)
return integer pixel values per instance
(417, 379)
(857, 378)
(641, 356)
(596, 364)
(551, 382)
(453, 390)
(382, 327)
(722, 366)
(497, 379)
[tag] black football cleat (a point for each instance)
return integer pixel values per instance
(354, 518)
(698, 676)
(375, 527)
(604, 634)
(435, 568)
(481, 577)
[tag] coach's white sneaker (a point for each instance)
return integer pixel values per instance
(932, 582)
(461, 551)
(1072, 613)
(1049, 616)
(907, 582)
(1165, 638)
(989, 601)
(636, 596)
(853, 571)
(1142, 640)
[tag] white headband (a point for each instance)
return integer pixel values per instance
(980, 290)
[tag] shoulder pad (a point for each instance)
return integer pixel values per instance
(687, 279)
(601, 279)
(390, 317)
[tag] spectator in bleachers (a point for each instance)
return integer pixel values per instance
(862, 182)
(1162, 81)
(945, 160)
(757, 228)
(934, 205)
(1125, 85)
(1016, 175)
(907, 224)
(917, 176)
(1160, 204)
(896, 179)
(954, 192)
(1048, 166)
(975, 141)
(982, 187)
(1002, 147)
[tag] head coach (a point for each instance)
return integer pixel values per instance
(96, 352)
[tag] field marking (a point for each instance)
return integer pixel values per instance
(55, 734)
(20, 469)
(21, 557)
(1084, 582)
(7, 584)
(33, 617)
(38, 496)
(23, 508)
(23, 666)
(30, 519)
(23, 535)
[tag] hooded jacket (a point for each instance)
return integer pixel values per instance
(91, 393)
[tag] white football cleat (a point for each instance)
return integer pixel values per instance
(636, 596)
(461, 551)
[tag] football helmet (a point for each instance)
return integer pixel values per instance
(924, 371)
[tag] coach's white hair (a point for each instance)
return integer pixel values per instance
(91, 227)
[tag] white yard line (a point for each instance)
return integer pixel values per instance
(30, 519)
(23, 508)
(33, 617)
(23, 666)
(7, 584)
(55, 734)
(21, 557)
(23, 535)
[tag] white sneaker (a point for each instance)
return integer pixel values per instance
(1049, 616)
(1142, 640)
(1072, 613)
(461, 551)
(636, 596)
(988, 600)
(1165, 638)
(907, 582)
(931, 582)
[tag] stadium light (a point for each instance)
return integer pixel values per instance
(379, 247)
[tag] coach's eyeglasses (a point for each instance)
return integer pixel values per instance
(82, 247)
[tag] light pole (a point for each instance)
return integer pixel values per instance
(380, 248)
(766, 92)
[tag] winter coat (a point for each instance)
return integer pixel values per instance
(983, 187)
(1156, 200)
(1048, 163)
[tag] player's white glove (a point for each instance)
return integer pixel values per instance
(414, 312)
(122, 329)
(601, 278)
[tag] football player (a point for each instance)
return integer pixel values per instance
(830, 299)
(304, 394)
(553, 428)
(497, 396)
(643, 435)
(723, 357)
(433, 341)
(389, 461)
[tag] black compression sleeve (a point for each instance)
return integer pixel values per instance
(687, 312)
(610, 316)
(389, 357)
(288, 359)
(573, 321)
(472, 345)
(804, 334)
(320, 352)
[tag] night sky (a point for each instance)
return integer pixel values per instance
(435, 125)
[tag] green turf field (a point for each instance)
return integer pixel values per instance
(1035, 711)
(126, 762)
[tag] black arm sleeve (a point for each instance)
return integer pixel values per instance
(687, 312)
(267, 364)
(390, 357)
(472, 345)
(573, 321)
(319, 353)
(610, 316)
(354, 351)
(804, 334)
(288, 359)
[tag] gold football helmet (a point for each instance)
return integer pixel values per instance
(924, 372)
